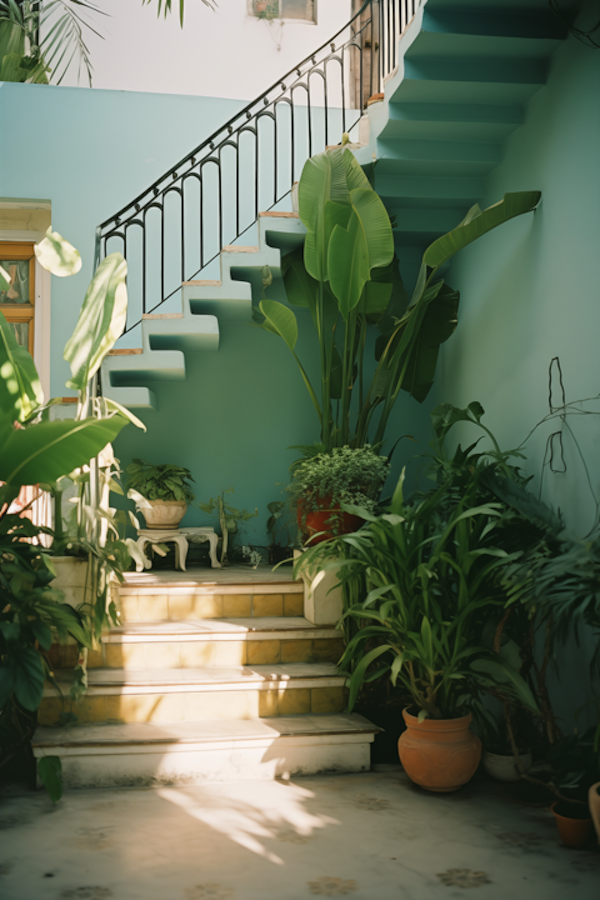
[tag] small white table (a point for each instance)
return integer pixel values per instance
(179, 537)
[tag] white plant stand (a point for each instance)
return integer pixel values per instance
(179, 537)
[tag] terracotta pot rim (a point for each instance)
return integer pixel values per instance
(428, 724)
(567, 818)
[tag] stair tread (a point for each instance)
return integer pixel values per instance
(239, 577)
(277, 672)
(185, 629)
(207, 731)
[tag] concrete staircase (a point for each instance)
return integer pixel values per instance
(467, 69)
(128, 373)
(206, 680)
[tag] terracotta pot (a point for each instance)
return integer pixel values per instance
(164, 514)
(318, 520)
(503, 767)
(439, 754)
(594, 805)
(574, 832)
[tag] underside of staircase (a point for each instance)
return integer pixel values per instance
(215, 677)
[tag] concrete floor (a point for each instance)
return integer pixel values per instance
(370, 837)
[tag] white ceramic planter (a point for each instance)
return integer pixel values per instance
(164, 514)
(323, 603)
(503, 768)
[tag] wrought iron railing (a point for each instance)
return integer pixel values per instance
(176, 228)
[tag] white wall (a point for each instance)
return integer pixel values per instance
(224, 53)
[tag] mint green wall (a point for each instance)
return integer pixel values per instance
(529, 292)
(89, 153)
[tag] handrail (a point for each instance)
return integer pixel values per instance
(166, 222)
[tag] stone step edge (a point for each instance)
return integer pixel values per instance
(120, 686)
(176, 588)
(146, 737)
(136, 689)
(128, 635)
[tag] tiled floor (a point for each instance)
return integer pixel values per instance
(369, 837)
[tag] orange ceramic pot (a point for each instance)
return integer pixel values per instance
(573, 832)
(317, 521)
(439, 754)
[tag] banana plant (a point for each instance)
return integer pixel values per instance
(347, 277)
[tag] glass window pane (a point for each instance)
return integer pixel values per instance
(18, 272)
(21, 330)
(298, 9)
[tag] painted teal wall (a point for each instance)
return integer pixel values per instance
(89, 152)
(232, 420)
(529, 292)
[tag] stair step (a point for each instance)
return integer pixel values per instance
(234, 248)
(140, 600)
(214, 642)
(159, 316)
(188, 752)
(274, 214)
(175, 695)
(126, 351)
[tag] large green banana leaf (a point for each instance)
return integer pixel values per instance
(327, 177)
(57, 255)
(101, 321)
(46, 451)
(366, 243)
(477, 223)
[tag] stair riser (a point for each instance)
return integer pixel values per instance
(194, 705)
(197, 654)
(175, 607)
(281, 758)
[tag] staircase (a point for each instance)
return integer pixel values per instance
(466, 70)
(128, 373)
(216, 677)
(213, 679)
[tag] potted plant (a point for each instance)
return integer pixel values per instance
(161, 492)
(323, 482)
(229, 519)
(426, 577)
(498, 758)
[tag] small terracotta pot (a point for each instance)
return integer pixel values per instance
(164, 514)
(439, 754)
(594, 805)
(573, 832)
(318, 520)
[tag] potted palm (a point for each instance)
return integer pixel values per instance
(161, 492)
(323, 482)
(425, 581)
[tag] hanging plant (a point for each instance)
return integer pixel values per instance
(266, 9)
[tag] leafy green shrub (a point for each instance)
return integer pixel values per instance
(345, 475)
(161, 482)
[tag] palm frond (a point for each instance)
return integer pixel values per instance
(168, 3)
(64, 25)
